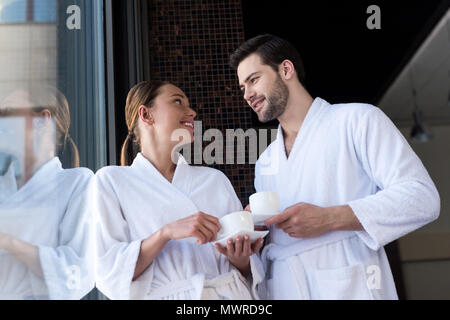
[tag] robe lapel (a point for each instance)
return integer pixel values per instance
(305, 130)
(30, 212)
(182, 181)
(181, 178)
(38, 187)
(181, 205)
(291, 168)
(41, 182)
(179, 189)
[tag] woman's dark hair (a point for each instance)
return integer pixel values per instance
(272, 51)
(144, 93)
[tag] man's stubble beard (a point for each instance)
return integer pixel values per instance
(276, 102)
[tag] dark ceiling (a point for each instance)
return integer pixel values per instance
(344, 60)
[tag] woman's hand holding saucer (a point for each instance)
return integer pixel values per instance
(239, 250)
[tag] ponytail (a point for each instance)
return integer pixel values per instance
(68, 152)
(143, 93)
(130, 150)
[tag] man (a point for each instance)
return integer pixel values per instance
(348, 182)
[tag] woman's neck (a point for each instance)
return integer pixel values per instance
(33, 166)
(161, 159)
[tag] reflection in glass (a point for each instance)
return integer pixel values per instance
(44, 10)
(13, 11)
(22, 11)
(40, 198)
(44, 209)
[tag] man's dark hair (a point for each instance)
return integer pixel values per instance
(272, 51)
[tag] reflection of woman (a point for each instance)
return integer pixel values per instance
(154, 234)
(43, 218)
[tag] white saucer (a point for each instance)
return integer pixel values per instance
(255, 235)
(257, 218)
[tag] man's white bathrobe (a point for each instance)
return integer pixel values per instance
(51, 211)
(344, 154)
(136, 201)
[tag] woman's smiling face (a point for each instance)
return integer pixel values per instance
(170, 113)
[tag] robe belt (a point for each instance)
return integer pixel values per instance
(274, 251)
(197, 283)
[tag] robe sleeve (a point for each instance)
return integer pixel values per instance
(116, 254)
(256, 267)
(68, 268)
(407, 198)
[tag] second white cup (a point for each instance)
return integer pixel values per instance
(265, 203)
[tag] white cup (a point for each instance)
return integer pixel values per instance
(266, 203)
(235, 222)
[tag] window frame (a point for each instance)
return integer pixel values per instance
(126, 36)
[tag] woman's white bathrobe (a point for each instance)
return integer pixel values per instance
(136, 201)
(51, 211)
(344, 154)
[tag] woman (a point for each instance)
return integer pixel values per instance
(157, 217)
(44, 222)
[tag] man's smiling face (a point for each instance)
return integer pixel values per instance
(263, 89)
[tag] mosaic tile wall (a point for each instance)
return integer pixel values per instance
(190, 44)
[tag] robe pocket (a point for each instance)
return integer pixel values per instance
(347, 283)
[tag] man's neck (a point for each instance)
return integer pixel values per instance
(296, 110)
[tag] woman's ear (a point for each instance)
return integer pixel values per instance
(46, 114)
(45, 117)
(145, 115)
(287, 69)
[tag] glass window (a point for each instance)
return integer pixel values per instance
(44, 11)
(13, 11)
(28, 11)
(52, 140)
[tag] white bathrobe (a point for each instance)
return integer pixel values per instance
(51, 212)
(136, 201)
(344, 154)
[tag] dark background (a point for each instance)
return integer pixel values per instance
(344, 60)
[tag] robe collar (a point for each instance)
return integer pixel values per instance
(180, 187)
(316, 107)
(179, 176)
(8, 183)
